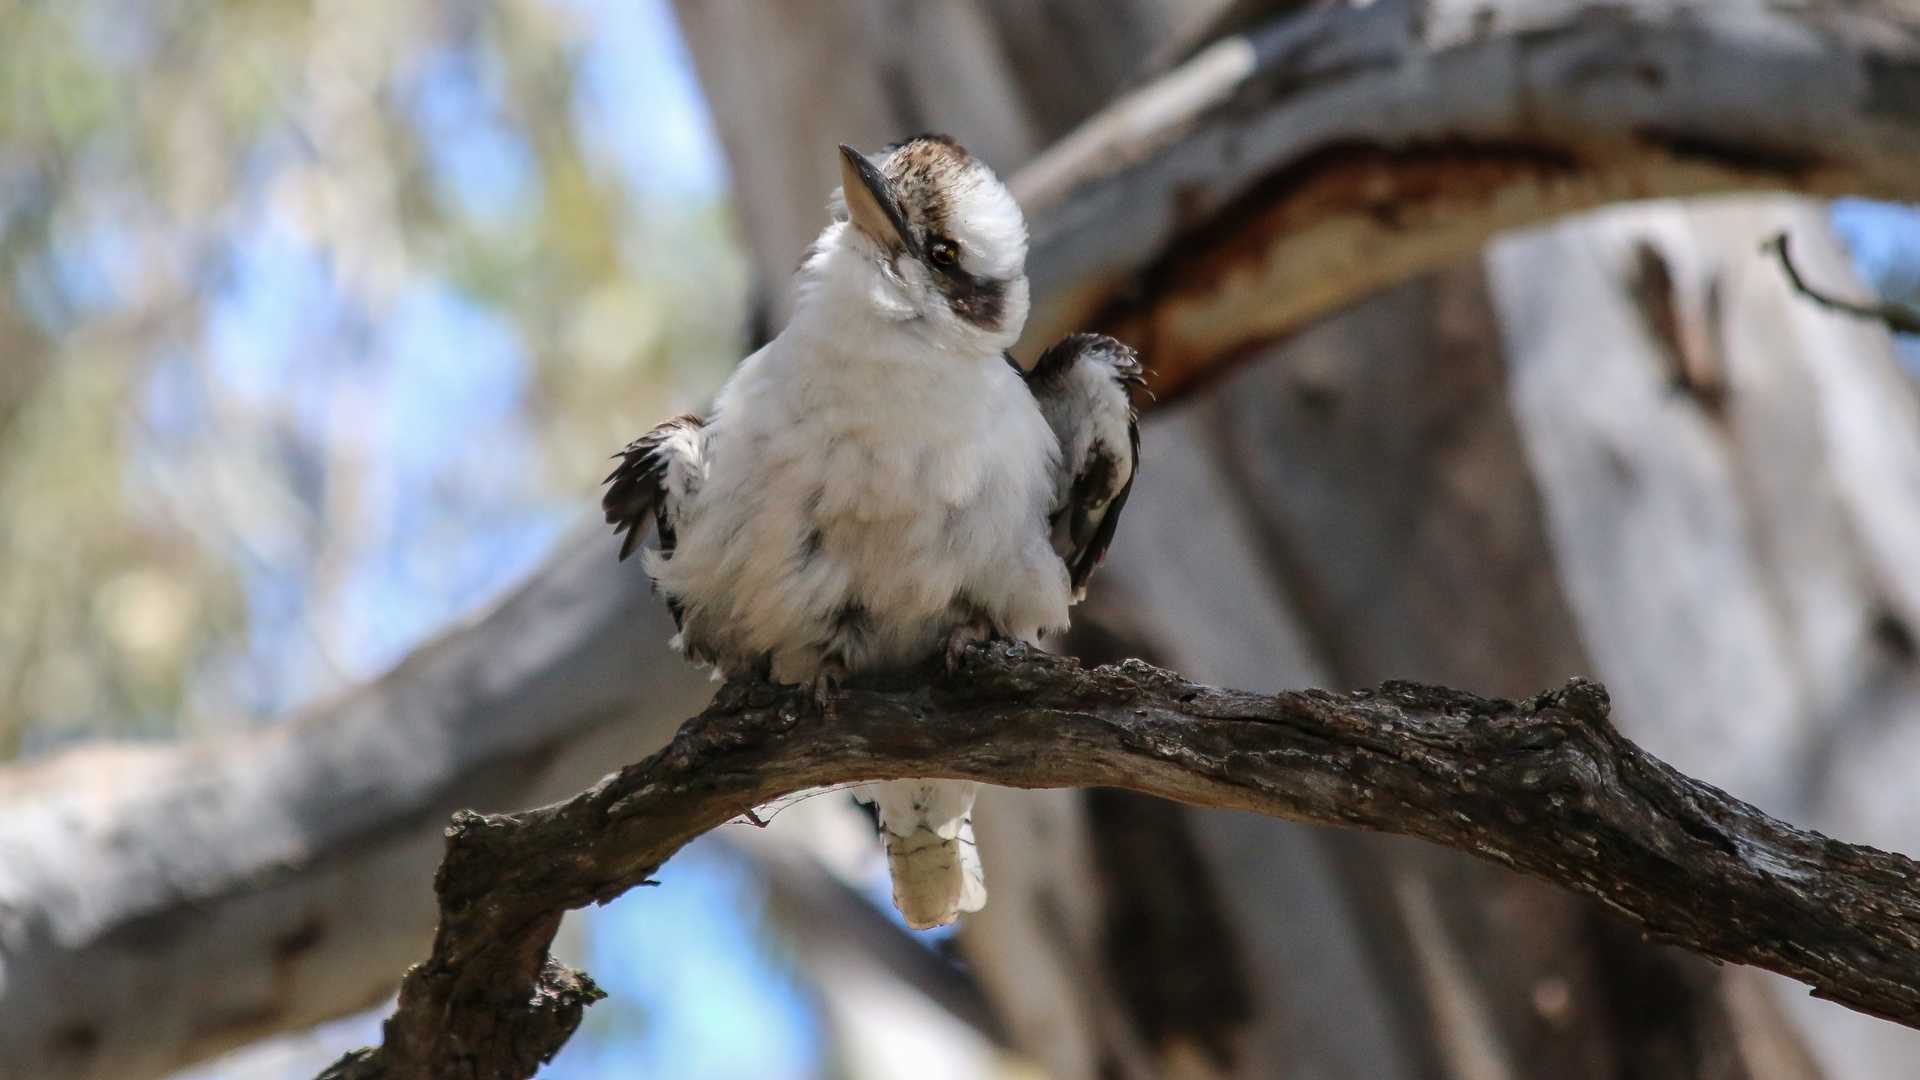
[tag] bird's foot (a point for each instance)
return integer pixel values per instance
(824, 687)
(971, 633)
(824, 690)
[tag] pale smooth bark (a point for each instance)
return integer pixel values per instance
(161, 904)
(1733, 494)
(1006, 77)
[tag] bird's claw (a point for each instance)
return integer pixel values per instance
(957, 643)
(825, 691)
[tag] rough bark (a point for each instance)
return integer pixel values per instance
(1547, 787)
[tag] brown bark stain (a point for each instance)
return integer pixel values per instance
(1173, 959)
(1689, 346)
(1434, 190)
(1393, 188)
(1794, 168)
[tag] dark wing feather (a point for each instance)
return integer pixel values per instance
(1084, 386)
(1097, 531)
(641, 490)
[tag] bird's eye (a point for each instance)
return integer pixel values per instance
(943, 252)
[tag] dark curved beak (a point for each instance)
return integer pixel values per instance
(871, 203)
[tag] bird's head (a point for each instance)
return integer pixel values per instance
(941, 235)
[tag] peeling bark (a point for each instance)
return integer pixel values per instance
(1547, 787)
(1287, 172)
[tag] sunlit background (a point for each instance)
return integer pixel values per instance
(324, 319)
(321, 320)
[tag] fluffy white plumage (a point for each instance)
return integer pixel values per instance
(879, 483)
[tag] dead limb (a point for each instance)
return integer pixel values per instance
(1547, 787)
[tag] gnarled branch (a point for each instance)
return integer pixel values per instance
(1547, 787)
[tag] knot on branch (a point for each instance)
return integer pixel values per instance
(476, 846)
(501, 1037)
(560, 999)
(1582, 699)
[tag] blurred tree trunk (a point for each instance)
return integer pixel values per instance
(1395, 492)
(1731, 481)
(1007, 77)
(1361, 495)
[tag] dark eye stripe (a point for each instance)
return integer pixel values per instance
(978, 300)
(923, 172)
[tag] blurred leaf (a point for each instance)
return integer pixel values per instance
(223, 230)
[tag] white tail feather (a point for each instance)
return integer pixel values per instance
(930, 850)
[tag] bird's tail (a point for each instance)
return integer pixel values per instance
(928, 825)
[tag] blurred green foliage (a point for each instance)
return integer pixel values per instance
(141, 145)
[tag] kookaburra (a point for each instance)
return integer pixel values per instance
(881, 482)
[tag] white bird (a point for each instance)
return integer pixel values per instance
(881, 482)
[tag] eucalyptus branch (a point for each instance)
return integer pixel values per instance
(1546, 786)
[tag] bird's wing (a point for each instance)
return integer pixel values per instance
(659, 473)
(1084, 386)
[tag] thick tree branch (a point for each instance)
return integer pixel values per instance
(1282, 174)
(1547, 787)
